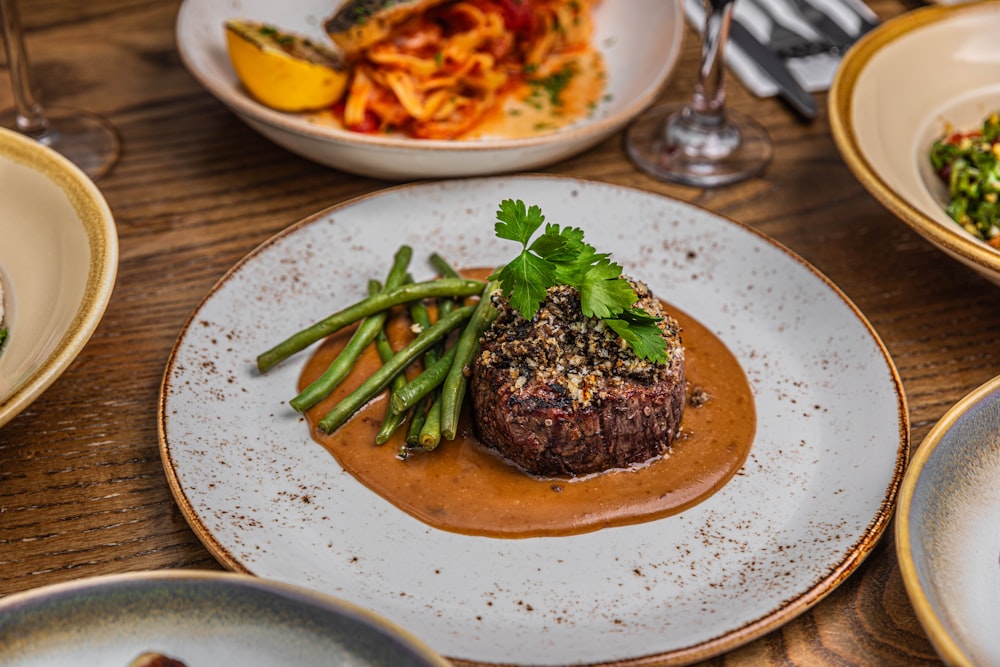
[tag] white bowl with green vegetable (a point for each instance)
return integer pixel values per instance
(919, 78)
(58, 262)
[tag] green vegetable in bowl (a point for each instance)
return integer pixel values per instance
(969, 163)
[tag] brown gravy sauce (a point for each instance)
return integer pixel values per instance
(463, 487)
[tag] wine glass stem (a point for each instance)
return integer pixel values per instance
(29, 114)
(709, 96)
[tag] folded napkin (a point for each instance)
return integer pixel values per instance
(765, 18)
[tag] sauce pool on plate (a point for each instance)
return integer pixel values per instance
(464, 487)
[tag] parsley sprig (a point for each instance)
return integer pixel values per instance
(559, 256)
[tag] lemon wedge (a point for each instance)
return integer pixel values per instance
(284, 71)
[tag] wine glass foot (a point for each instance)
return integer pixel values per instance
(674, 144)
(86, 140)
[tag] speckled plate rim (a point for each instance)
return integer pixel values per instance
(85, 593)
(946, 644)
(841, 102)
(102, 234)
(576, 132)
(784, 607)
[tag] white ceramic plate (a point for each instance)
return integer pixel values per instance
(948, 530)
(58, 262)
(198, 618)
(900, 87)
(810, 503)
(640, 41)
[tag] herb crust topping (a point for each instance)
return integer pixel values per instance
(577, 356)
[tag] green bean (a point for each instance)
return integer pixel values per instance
(416, 423)
(393, 418)
(368, 306)
(454, 385)
(380, 379)
(430, 433)
(342, 364)
(369, 327)
(446, 271)
(420, 317)
(397, 272)
(420, 386)
(443, 267)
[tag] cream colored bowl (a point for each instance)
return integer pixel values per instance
(901, 86)
(947, 537)
(639, 39)
(58, 262)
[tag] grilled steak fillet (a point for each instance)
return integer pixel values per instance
(563, 395)
(360, 23)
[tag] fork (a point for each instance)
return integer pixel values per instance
(839, 38)
(783, 40)
(829, 36)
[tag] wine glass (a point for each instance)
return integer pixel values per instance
(85, 139)
(701, 142)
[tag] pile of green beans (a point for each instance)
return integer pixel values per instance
(432, 400)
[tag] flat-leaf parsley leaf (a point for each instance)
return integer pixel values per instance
(559, 256)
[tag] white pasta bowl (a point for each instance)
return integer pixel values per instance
(640, 41)
(58, 262)
(899, 88)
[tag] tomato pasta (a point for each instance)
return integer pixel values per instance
(438, 72)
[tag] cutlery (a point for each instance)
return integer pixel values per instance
(812, 31)
(867, 19)
(828, 36)
(829, 29)
(774, 67)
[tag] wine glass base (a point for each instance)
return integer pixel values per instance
(664, 144)
(86, 140)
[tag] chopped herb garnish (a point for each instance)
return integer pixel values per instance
(554, 84)
(969, 164)
(559, 256)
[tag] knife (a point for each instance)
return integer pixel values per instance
(774, 67)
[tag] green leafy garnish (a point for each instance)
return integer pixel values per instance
(559, 256)
(553, 85)
(969, 164)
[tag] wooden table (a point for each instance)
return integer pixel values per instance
(82, 487)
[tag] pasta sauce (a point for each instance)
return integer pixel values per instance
(464, 69)
(464, 487)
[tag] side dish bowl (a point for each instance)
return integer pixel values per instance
(58, 262)
(640, 41)
(946, 530)
(900, 87)
(198, 618)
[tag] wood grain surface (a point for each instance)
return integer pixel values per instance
(82, 487)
